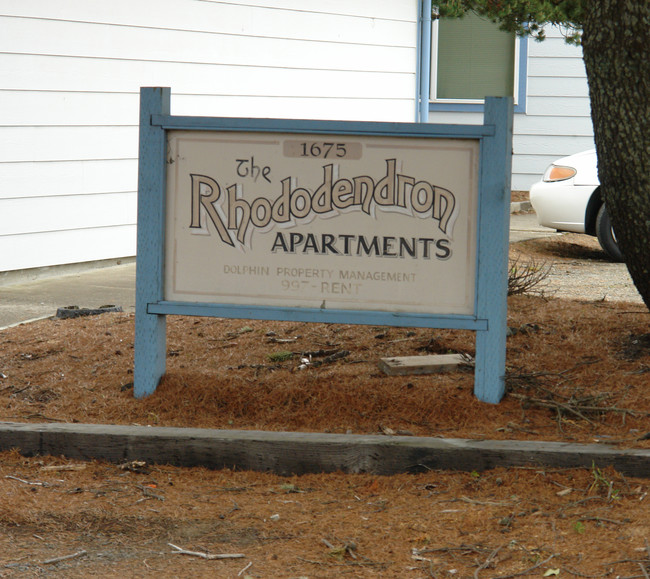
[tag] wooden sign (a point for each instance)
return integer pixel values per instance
(372, 223)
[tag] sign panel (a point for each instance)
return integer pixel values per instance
(373, 223)
(322, 221)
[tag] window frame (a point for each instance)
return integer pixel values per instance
(477, 105)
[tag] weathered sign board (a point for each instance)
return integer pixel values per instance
(359, 222)
(370, 223)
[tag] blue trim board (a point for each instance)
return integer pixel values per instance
(422, 130)
(424, 61)
(492, 252)
(150, 331)
(520, 107)
(361, 317)
(419, 55)
(490, 291)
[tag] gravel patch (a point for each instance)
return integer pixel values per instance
(586, 280)
(578, 268)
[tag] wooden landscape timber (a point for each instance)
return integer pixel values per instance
(287, 453)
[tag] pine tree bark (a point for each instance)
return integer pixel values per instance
(616, 50)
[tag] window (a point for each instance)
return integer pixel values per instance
(471, 59)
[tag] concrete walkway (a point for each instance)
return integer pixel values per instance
(36, 299)
(524, 226)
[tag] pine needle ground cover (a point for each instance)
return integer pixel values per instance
(577, 371)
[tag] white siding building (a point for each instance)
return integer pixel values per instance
(72, 70)
(557, 121)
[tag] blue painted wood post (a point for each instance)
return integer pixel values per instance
(150, 329)
(493, 245)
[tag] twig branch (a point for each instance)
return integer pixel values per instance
(578, 574)
(148, 493)
(465, 499)
(526, 571)
(181, 551)
(65, 558)
(250, 564)
(27, 482)
(572, 406)
(63, 467)
(328, 544)
(487, 562)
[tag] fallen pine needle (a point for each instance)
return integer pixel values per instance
(181, 551)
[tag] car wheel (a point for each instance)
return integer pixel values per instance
(606, 236)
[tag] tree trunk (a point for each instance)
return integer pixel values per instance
(616, 49)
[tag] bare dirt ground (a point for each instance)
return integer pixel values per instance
(577, 371)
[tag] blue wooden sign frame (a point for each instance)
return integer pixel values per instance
(490, 296)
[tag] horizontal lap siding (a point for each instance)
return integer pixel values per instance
(557, 120)
(64, 212)
(61, 143)
(67, 73)
(69, 96)
(20, 180)
(84, 244)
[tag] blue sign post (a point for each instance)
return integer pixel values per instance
(369, 223)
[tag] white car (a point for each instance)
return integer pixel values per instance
(568, 199)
